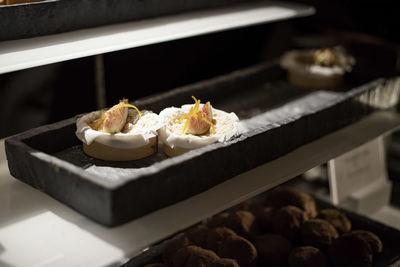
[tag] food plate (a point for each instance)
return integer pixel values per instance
(276, 116)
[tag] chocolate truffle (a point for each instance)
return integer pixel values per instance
(337, 219)
(252, 206)
(266, 220)
(350, 251)
(273, 249)
(307, 257)
(173, 246)
(318, 233)
(372, 239)
(242, 222)
(198, 235)
(218, 235)
(286, 196)
(194, 256)
(155, 265)
(238, 248)
(219, 220)
(288, 221)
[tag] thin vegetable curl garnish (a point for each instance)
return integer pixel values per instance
(96, 124)
(194, 113)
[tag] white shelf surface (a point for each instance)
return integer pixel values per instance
(36, 230)
(26, 53)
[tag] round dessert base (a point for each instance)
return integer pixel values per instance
(176, 151)
(315, 83)
(100, 151)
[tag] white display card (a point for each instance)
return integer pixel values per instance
(357, 170)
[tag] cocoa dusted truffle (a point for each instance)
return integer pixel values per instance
(372, 239)
(318, 233)
(241, 221)
(252, 206)
(194, 256)
(307, 257)
(266, 220)
(238, 248)
(227, 244)
(337, 219)
(219, 219)
(288, 221)
(218, 235)
(155, 265)
(273, 249)
(173, 246)
(286, 196)
(350, 251)
(198, 235)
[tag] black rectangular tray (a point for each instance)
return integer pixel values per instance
(56, 16)
(280, 118)
(389, 236)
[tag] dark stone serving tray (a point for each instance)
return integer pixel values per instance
(389, 236)
(56, 16)
(279, 118)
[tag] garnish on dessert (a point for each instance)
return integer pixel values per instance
(326, 58)
(114, 120)
(198, 121)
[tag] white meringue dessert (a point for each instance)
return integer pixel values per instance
(119, 134)
(317, 68)
(194, 126)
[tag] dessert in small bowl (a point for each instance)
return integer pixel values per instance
(317, 68)
(194, 126)
(120, 133)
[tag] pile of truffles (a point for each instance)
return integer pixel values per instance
(286, 230)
